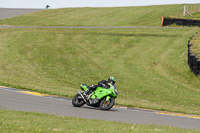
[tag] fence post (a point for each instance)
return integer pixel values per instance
(184, 10)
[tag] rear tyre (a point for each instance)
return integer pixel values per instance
(106, 105)
(78, 101)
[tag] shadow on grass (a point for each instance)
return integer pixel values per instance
(135, 35)
(125, 35)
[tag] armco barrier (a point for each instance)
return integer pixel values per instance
(179, 22)
(193, 61)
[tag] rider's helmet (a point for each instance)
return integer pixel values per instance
(111, 79)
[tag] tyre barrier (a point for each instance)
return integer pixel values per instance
(193, 61)
(179, 22)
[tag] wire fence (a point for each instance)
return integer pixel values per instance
(191, 9)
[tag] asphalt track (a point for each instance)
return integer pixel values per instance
(34, 102)
(19, 100)
(12, 12)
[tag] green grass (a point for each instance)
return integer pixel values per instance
(117, 16)
(150, 65)
(193, 9)
(17, 122)
(195, 49)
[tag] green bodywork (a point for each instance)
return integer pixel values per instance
(101, 92)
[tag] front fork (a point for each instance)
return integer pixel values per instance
(107, 98)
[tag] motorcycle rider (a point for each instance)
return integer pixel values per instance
(103, 83)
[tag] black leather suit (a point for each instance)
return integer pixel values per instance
(102, 83)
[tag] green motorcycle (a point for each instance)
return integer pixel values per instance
(101, 97)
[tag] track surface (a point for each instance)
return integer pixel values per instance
(21, 101)
(12, 12)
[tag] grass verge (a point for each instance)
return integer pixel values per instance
(17, 122)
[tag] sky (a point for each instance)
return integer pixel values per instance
(40, 4)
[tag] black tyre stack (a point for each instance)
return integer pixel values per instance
(180, 22)
(193, 61)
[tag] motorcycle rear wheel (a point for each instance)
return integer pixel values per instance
(106, 105)
(78, 101)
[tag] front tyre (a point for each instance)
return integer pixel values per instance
(78, 101)
(106, 105)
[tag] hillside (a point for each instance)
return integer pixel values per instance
(118, 16)
(150, 65)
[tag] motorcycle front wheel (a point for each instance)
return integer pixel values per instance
(78, 101)
(106, 105)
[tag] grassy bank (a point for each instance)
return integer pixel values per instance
(150, 65)
(117, 16)
(195, 49)
(17, 122)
